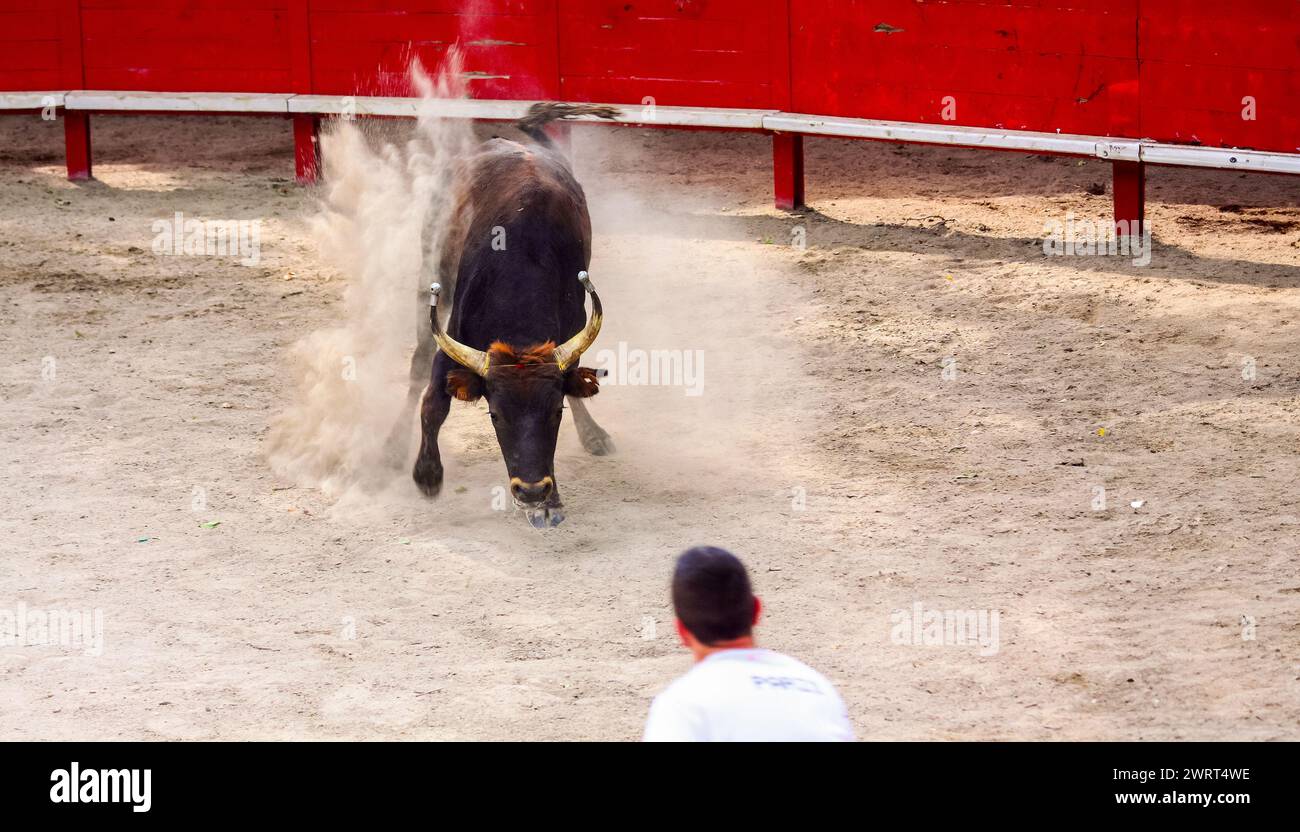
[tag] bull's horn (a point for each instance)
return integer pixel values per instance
(473, 359)
(568, 353)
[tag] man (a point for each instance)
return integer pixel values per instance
(737, 691)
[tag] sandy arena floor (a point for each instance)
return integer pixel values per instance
(827, 448)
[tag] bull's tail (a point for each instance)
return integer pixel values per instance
(544, 112)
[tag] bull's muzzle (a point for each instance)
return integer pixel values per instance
(532, 492)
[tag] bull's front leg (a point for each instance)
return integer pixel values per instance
(593, 437)
(434, 405)
(397, 448)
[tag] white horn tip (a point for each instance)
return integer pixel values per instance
(585, 280)
(434, 289)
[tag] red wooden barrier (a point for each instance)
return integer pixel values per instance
(186, 45)
(1182, 71)
(30, 44)
(1201, 61)
(723, 53)
(1056, 65)
(364, 48)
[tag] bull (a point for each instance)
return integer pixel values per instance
(515, 264)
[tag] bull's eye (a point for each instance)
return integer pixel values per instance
(492, 415)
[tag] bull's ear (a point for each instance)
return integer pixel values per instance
(464, 385)
(581, 383)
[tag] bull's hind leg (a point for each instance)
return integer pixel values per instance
(593, 437)
(434, 405)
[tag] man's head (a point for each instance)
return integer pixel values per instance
(713, 600)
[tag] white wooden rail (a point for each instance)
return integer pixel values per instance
(1128, 155)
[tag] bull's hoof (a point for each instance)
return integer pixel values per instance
(597, 442)
(545, 517)
(428, 477)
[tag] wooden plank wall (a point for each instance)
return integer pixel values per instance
(1047, 65)
(699, 53)
(186, 45)
(31, 44)
(1201, 59)
(364, 47)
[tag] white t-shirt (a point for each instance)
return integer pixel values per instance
(751, 695)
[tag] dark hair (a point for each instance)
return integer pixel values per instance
(712, 595)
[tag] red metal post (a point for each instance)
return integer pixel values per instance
(306, 147)
(76, 125)
(76, 141)
(787, 170)
(1129, 185)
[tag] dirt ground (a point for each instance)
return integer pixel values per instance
(918, 406)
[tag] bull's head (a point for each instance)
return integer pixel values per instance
(525, 388)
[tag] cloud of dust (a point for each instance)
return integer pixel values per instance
(679, 276)
(380, 214)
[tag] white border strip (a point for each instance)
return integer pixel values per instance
(179, 102)
(364, 105)
(31, 100)
(656, 116)
(503, 110)
(902, 131)
(1222, 158)
(1103, 148)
